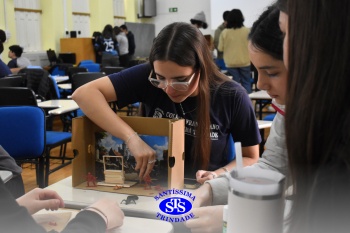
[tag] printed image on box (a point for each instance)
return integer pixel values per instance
(108, 145)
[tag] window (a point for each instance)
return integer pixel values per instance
(119, 12)
(81, 17)
(28, 24)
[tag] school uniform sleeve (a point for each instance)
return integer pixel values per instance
(15, 218)
(12, 64)
(131, 85)
(275, 155)
(219, 188)
(86, 222)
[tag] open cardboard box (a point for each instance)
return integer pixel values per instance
(83, 140)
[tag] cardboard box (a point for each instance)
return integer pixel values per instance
(83, 140)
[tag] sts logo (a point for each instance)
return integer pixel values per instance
(177, 207)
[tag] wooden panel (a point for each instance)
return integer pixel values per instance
(82, 47)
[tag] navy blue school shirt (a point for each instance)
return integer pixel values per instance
(231, 112)
(4, 69)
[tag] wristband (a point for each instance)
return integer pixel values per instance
(132, 135)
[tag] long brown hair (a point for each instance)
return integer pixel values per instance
(318, 114)
(185, 45)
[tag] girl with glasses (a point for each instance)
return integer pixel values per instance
(180, 81)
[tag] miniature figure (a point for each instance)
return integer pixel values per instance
(117, 187)
(130, 199)
(147, 179)
(92, 179)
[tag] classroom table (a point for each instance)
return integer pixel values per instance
(74, 198)
(60, 79)
(65, 86)
(60, 106)
(130, 224)
(5, 175)
(262, 99)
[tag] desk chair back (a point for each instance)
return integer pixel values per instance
(13, 81)
(73, 70)
(54, 90)
(38, 81)
(11, 96)
(80, 79)
(23, 135)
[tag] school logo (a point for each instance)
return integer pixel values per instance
(158, 113)
(177, 207)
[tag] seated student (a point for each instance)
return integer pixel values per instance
(4, 69)
(15, 215)
(180, 81)
(317, 45)
(266, 53)
(17, 63)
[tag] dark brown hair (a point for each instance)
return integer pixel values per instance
(318, 114)
(186, 46)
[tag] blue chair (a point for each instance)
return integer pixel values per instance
(269, 117)
(231, 153)
(91, 67)
(26, 97)
(23, 136)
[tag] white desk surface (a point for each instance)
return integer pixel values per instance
(5, 175)
(59, 79)
(61, 106)
(65, 86)
(130, 224)
(264, 124)
(79, 198)
(260, 95)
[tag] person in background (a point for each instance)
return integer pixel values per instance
(220, 59)
(123, 46)
(108, 47)
(317, 45)
(131, 41)
(4, 69)
(199, 20)
(17, 62)
(15, 214)
(95, 43)
(266, 53)
(233, 43)
(180, 81)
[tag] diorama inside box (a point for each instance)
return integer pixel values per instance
(102, 155)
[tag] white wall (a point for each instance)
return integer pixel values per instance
(213, 10)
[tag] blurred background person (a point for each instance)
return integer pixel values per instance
(199, 20)
(220, 55)
(108, 47)
(123, 45)
(17, 62)
(131, 41)
(233, 43)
